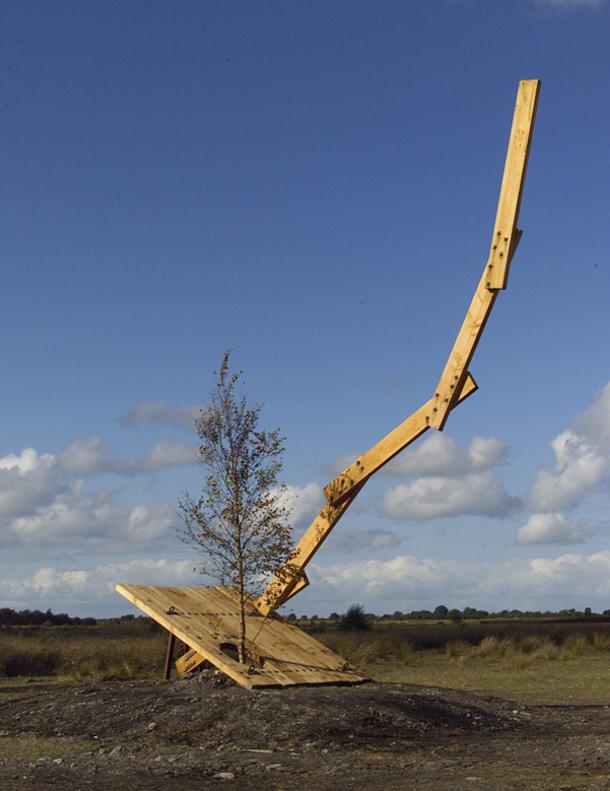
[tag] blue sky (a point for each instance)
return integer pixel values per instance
(312, 185)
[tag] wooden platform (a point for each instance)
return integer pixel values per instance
(207, 620)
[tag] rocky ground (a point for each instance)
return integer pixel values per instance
(206, 733)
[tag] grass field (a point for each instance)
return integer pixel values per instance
(557, 662)
(94, 653)
(550, 662)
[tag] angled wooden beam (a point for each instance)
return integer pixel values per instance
(340, 494)
(456, 367)
(504, 242)
(455, 384)
(283, 585)
(513, 180)
(389, 447)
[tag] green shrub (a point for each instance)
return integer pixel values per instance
(354, 620)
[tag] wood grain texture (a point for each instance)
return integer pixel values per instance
(504, 242)
(283, 585)
(207, 620)
(513, 179)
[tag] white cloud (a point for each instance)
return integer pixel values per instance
(166, 453)
(582, 460)
(146, 524)
(440, 454)
(426, 498)
(49, 584)
(368, 539)
(26, 481)
(304, 502)
(89, 522)
(552, 529)
(31, 481)
(27, 461)
(402, 582)
(89, 456)
(406, 576)
(454, 480)
(162, 413)
(93, 456)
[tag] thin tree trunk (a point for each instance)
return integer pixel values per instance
(242, 623)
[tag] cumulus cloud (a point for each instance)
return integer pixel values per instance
(477, 494)
(27, 461)
(387, 584)
(405, 576)
(552, 529)
(51, 584)
(363, 540)
(304, 502)
(90, 456)
(582, 460)
(161, 413)
(90, 522)
(31, 481)
(166, 453)
(440, 454)
(27, 480)
(451, 480)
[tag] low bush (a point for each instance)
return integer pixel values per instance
(354, 620)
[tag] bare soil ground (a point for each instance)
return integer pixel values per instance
(206, 733)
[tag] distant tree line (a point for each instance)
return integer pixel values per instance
(355, 613)
(443, 613)
(10, 617)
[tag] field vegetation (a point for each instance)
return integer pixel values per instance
(101, 652)
(557, 659)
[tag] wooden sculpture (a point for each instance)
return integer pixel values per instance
(206, 619)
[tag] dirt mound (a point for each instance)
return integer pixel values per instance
(209, 733)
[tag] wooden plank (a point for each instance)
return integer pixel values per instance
(389, 447)
(222, 632)
(288, 642)
(460, 358)
(208, 618)
(340, 494)
(454, 384)
(505, 238)
(188, 662)
(285, 649)
(282, 585)
(513, 180)
(143, 597)
(169, 655)
(292, 641)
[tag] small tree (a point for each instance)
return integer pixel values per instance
(239, 523)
